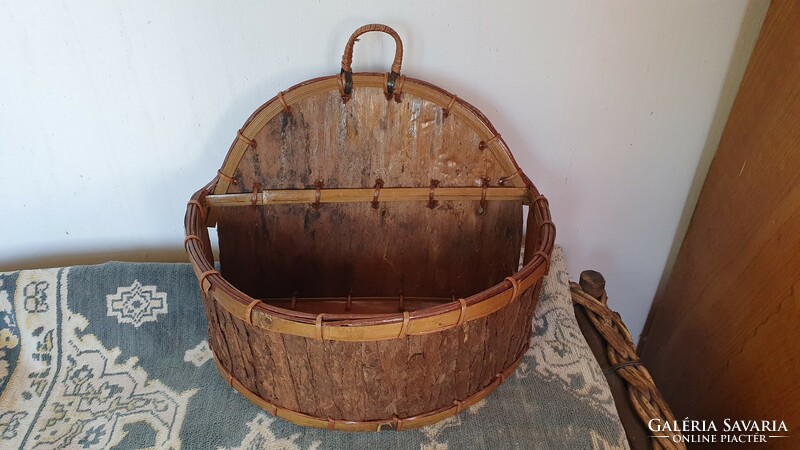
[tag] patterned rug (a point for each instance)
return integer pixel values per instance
(115, 356)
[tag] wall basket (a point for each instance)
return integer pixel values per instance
(370, 229)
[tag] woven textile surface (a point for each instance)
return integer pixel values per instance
(115, 356)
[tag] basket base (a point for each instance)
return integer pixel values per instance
(394, 423)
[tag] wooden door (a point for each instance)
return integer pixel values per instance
(723, 341)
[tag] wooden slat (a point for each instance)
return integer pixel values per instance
(294, 196)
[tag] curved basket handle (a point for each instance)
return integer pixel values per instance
(346, 78)
(347, 58)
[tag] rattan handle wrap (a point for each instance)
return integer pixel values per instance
(347, 58)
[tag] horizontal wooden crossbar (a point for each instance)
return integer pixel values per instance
(294, 196)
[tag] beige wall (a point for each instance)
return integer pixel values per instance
(112, 113)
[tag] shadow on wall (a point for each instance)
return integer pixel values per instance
(748, 35)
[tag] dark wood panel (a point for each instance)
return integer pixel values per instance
(353, 248)
(273, 251)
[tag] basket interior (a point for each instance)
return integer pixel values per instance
(354, 257)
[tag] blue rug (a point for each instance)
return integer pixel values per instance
(116, 356)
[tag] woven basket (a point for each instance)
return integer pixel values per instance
(370, 228)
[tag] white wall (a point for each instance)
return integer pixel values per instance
(112, 113)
